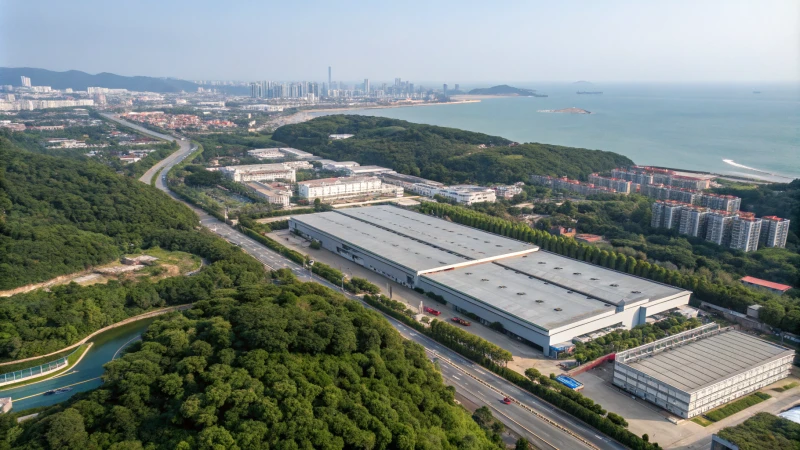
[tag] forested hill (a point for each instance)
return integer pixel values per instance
(59, 215)
(502, 89)
(442, 154)
(262, 366)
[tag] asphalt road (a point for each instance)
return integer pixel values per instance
(542, 424)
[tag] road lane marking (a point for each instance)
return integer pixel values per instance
(69, 385)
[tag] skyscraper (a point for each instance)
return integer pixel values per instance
(366, 86)
(26, 82)
(329, 77)
(444, 89)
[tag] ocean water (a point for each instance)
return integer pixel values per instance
(725, 129)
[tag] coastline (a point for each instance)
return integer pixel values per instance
(308, 114)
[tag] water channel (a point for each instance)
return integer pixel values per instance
(85, 375)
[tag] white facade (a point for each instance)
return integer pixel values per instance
(266, 153)
(774, 231)
(718, 227)
(346, 187)
(259, 172)
(693, 372)
(745, 233)
(367, 170)
(337, 137)
(277, 195)
(467, 194)
(339, 165)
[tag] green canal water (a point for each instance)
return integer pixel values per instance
(85, 375)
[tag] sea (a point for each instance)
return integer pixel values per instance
(733, 129)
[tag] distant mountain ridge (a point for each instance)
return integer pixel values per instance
(502, 89)
(79, 81)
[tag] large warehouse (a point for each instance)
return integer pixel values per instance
(698, 370)
(541, 297)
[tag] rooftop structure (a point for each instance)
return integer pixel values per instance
(293, 152)
(778, 288)
(695, 371)
(275, 193)
(266, 153)
(259, 172)
(367, 170)
(466, 194)
(345, 187)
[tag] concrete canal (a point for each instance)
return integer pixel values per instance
(85, 375)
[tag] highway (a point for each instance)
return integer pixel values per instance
(542, 424)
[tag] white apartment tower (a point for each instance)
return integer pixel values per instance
(745, 233)
(774, 231)
(718, 227)
(693, 221)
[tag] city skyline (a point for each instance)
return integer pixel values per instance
(615, 41)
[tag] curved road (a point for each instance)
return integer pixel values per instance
(541, 423)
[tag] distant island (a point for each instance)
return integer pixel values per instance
(503, 89)
(572, 110)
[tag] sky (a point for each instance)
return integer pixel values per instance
(457, 41)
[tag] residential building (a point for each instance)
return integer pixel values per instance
(777, 288)
(644, 175)
(571, 185)
(693, 221)
(717, 202)
(26, 82)
(693, 372)
(618, 184)
(718, 227)
(745, 233)
(509, 191)
(275, 193)
(328, 189)
(774, 231)
(259, 172)
(666, 214)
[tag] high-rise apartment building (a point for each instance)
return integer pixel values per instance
(444, 89)
(774, 231)
(745, 233)
(329, 77)
(666, 214)
(718, 227)
(26, 82)
(366, 86)
(727, 203)
(694, 220)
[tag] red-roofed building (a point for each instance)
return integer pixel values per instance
(764, 284)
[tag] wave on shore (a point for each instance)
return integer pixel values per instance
(742, 166)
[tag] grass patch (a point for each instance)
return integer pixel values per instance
(34, 362)
(71, 362)
(786, 387)
(734, 407)
(186, 262)
(702, 421)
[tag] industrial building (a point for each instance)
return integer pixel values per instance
(698, 370)
(466, 194)
(266, 153)
(366, 170)
(275, 193)
(339, 165)
(542, 298)
(259, 172)
(327, 189)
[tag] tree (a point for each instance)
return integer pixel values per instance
(67, 430)
(522, 444)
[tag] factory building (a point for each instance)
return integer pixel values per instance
(540, 297)
(693, 372)
(328, 189)
(275, 193)
(367, 170)
(259, 172)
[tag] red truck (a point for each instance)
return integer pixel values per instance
(430, 310)
(461, 321)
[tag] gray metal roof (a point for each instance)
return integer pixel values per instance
(590, 279)
(460, 239)
(414, 255)
(530, 299)
(692, 367)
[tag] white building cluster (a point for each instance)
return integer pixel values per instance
(329, 189)
(737, 230)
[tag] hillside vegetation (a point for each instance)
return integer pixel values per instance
(442, 154)
(262, 366)
(502, 89)
(59, 215)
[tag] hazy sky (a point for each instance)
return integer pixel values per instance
(434, 40)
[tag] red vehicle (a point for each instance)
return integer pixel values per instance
(507, 400)
(461, 321)
(430, 310)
